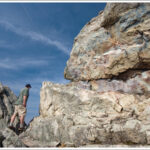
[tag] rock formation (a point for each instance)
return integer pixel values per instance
(8, 138)
(115, 41)
(107, 101)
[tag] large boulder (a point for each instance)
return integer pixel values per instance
(7, 99)
(115, 41)
(108, 100)
(11, 139)
(74, 116)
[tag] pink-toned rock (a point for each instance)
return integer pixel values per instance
(139, 84)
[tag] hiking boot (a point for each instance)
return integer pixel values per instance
(10, 127)
(21, 129)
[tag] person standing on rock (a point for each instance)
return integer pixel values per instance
(20, 106)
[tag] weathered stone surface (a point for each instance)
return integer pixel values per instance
(1, 139)
(11, 139)
(113, 12)
(75, 116)
(133, 82)
(7, 98)
(139, 84)
(108, 100)
(117, 40)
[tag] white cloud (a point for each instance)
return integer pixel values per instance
(14, 64)
(5, 44)
(34, 36)
(6, 66)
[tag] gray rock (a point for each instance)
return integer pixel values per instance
(1, 88)
(7, 99)
(75, 116)
(1, 139)
(107, 101)
(11, 139)
(115, 41)
(113, 11)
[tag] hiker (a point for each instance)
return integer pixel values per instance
(20, 107)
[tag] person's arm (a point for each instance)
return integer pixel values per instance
(24, 100)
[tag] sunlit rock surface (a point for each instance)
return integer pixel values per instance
(8, 138)
(73, 116)
(111, 43)
(107, 101)
(11, 139)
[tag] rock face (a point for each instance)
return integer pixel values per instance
(108, 100)
(74, 116)
(113, 42)
(8, 138)
(7, 98)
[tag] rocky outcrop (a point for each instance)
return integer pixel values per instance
(7, 98)
(74, 116)
(107, 101)
(115, 41)
(11, 139)
(8, 138)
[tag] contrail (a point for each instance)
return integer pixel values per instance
(35, 36)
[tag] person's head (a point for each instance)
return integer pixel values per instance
(28, 86)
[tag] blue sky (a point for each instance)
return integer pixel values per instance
(35, 43)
